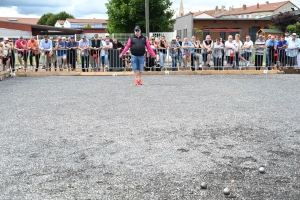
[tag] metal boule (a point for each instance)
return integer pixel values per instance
(262, 170)
(226, 191)
(203, 185)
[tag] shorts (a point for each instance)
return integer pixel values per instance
(60, 59)
(137, 63)
(229, 59)
(246, 55)
(24, 55)
(5, 60)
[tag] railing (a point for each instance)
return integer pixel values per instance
(165, 59)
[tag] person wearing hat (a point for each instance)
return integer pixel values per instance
(6, 48)
(107, 37)
(60, 47)
(21, 46)
(46, 47)
(84, 45)
(95, 47)
(72, 46)
(260, 46)
(292, 50)
(137, 44)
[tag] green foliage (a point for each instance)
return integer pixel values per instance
(294, 28)
(282, 20)
(88, 26)
(198, 32)
(44, 18)
(270, 26)
(50, 18)
(123, 15)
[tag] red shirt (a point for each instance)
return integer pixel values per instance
(22, 45)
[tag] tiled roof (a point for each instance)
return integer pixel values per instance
(208, 12)
(253, 9)
(20, 20)
(61, 22)
(100, 21)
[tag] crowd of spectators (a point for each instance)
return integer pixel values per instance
(61, 54)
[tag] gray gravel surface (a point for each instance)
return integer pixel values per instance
(102, 138)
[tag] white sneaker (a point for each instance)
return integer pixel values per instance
(8, 70)
(31, 67)
(13, 74)
(21, 67)
(247, 63)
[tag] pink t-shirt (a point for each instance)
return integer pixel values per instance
(19, 45)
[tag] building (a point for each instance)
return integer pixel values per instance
(81, 23)
(255, 11)
(20, 20)
(258, 10)
(187, 25)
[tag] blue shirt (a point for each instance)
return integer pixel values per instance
(46, 45)
(293, 44)
(189, 44)
(271, 43)
(70, 44)
(61, 52)
(281, 44)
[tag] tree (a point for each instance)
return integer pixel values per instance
(282, 20)
(50, 18)
(88, 26)
(124, 15)
(44, 18)
(294, 28)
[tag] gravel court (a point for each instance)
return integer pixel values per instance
(102, 138)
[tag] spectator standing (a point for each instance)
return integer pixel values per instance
(223, 51)
(208, 45)
(21, 46)
(196, 53)
(6, 59)
(267, 51)
(292, 50)
(60, 48)
(180, 51)
(281, 47)
(260, 46)
(95, 47)
(84, 46)
(46, 47)
(11, 55)
(187, 47)
(271, 51)
(217, 54)
(248, 47)
(230, 52)
(33, 46)
(72, 46)
(117, 45)
(238, 46)
(107, 46)
(174, 48)
(137, 44)
(150, 61)
(162, 49)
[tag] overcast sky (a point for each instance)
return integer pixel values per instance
(97, 9)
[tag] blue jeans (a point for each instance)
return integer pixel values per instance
(162, 57)
(137, 63)
(174, 61)
(267, 58)
(106, 59)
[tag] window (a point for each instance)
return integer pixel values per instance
(179, 33)
(247, 16)
(184, 33)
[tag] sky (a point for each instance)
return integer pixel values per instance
(87, 9)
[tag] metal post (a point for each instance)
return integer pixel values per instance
(147, 17)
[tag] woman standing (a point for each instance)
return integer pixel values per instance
(11, 55)
(238, 47)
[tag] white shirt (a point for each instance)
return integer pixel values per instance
(105, 52)
(238, 45)
(247, 44)
(228, 46)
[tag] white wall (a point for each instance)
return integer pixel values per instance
(11, 33)
(203, 16)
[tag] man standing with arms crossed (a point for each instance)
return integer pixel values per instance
(137, 44)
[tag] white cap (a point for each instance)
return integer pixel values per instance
(106, 34)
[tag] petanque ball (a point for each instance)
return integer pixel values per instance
(261, 170)
(227, 191)
(203, 185)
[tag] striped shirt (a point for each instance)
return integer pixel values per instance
(260, 43)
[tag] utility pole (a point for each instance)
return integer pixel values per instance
(147, 17)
